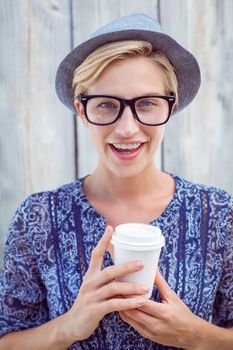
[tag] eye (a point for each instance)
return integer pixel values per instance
(147, 103)
(106, 105)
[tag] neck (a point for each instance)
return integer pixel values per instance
(151, 183)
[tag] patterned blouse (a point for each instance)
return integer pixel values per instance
(51, 239)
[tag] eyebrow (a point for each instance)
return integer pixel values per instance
(142, 94)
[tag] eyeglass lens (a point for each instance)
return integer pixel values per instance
(149, 110)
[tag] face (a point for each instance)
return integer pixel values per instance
(126, 148)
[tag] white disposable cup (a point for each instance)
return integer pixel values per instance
(134, 241)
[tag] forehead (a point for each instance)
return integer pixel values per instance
(130, 77)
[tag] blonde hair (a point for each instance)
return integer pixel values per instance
(92, 67)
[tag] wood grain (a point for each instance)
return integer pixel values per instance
(199, 142)
(42, 145)
(36, 134)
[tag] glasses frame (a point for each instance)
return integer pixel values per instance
(126, 102)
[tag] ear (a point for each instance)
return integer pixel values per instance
(80, 111)
(174, 107)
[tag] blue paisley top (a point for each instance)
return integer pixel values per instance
(53, 234)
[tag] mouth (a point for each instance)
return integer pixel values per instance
(127, 150)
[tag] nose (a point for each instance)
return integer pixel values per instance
(127, 125)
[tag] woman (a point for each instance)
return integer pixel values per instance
(60, 287)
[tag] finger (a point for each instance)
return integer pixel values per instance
(166, 292)
(113, 272)
(140, 327)
(97, 279)
(123, 315)
(98, 252)
(119, 304)
(121, 288)
(140, 316)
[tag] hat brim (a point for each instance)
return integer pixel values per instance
(186, 66)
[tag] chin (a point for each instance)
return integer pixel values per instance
(127, 173)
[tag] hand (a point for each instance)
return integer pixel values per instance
(101, 294)
(169, 323)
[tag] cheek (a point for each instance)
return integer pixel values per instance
(98, 136)
(157, 139)
(158, 134)
(161, 133)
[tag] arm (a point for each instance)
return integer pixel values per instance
(213, 337)
(49, 336)
(172, 323)
(97, 297)
(223, 305)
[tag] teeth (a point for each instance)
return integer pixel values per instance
(126, 146)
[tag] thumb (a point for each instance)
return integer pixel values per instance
(166, 292)
(98, 252)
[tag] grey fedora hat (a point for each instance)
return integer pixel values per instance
(132, 27)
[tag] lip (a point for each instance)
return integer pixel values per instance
(125, 156)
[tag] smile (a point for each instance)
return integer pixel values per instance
(127, 151)
(126, 146)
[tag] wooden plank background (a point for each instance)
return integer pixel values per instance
(42, 145)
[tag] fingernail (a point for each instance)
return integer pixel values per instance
(145, 288)
(139, 263)
(140, 301)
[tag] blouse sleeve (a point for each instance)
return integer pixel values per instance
(223, 306)
(22, 294)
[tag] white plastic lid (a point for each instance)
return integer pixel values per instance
(135, 236)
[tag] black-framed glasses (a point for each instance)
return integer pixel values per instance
(150, 110)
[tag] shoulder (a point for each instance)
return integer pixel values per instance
(208, 193)
(208, 208)
(36, 209)
(63, 192)
(211, 202)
